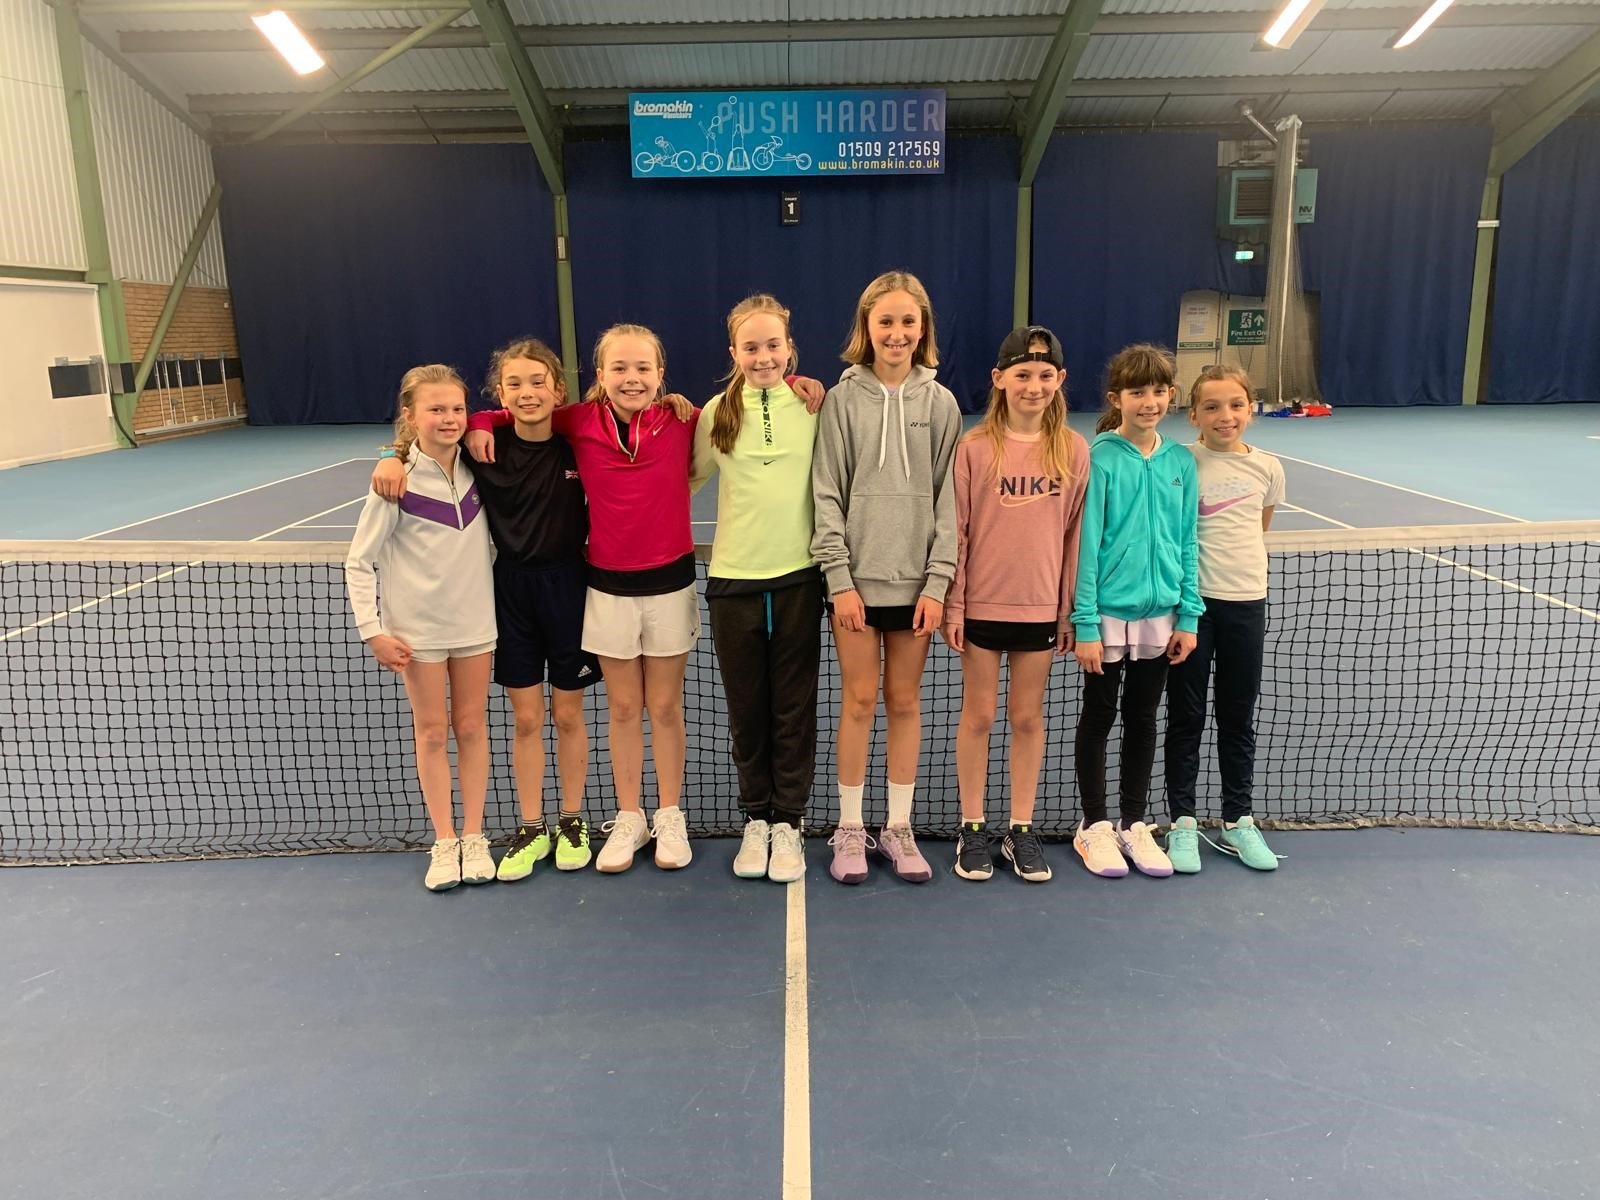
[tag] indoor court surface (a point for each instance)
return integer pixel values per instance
(1395, 1013)
(238, 241)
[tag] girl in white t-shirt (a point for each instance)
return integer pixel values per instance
(1240, 485)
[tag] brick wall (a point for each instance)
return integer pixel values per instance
(201, 347)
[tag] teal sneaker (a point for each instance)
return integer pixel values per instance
(1183, 846)
(1244, 841)
(572, 844)
(529, 844)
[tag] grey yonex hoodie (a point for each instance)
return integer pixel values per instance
(884, 492)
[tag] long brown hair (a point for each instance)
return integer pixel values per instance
(1141, 365)
(1055, 438)
(729, 417)
(859, 348)
(529, 348)
(405, 433)
(597, 390)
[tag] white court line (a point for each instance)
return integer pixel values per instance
(133, 587)
(1463, 567)
(1306, 462)
(231, 495)
(796, 1051)
(322, 527)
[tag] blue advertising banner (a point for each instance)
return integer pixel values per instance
(718, 135)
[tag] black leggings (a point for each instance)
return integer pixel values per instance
(1140, 700)
(1233, 633)
(768, 646)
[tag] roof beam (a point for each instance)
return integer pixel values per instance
(1060, 65)
(933, 28)
(544, 136)
(338, 87)
(1241, 86)
(1523, 119)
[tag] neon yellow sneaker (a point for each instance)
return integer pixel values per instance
(572, 844)
(529, 844)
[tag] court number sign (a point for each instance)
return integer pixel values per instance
(743, 135)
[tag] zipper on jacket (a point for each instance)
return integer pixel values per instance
(455, 496)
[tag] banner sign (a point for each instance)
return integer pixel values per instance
(741, 135)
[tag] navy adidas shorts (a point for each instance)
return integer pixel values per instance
(539, 610)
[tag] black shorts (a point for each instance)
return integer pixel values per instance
(1010, 636)
(539, 610)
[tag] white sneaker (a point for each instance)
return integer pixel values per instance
(623, 836)
(672, 839)
(751, 861)
(444, 865)
(788, 861)
(1138, 843)
(477, 864)
(1100, 850)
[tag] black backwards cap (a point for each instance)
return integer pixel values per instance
(1015, 348)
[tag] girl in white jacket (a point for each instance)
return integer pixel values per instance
(436, 626)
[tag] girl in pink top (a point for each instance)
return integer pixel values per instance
(1020, 480)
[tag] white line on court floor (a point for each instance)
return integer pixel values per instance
(231, 495)
(1306, 462)
(796, 1051)
(167, 574)
(1463, 567)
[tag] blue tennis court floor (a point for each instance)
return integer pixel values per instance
(1393, 1014)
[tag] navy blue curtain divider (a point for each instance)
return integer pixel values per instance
(1391, 255)
(676, 255)
(1124, 224)
(349, 264)
(1545, 334)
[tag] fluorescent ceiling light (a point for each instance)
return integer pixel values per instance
(1290, 23)
(285, 35)
(1420, 25)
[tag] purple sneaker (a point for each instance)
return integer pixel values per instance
(899, 845)
(850, 844)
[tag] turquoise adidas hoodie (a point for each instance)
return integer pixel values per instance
(1139, 556)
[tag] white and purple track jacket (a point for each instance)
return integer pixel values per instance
(430, 556)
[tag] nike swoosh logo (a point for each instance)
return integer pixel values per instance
(1211, 510)
(767, 462)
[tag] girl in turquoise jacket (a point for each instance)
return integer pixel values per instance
(1137, 603)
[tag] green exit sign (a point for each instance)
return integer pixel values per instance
(1247, 327)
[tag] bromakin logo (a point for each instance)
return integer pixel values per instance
(672, 109)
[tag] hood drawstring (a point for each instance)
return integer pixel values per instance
(883, 433)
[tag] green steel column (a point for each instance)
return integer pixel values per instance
(1482, 275)
(1022, 290)
(92, 212)
(569, 328)
(169, 308)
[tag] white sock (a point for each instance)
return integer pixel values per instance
(900, 803)
(850, 803)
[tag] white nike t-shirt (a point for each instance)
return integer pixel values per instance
(1234, 488)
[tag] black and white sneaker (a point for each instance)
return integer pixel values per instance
(1024, 852)
(973, 857)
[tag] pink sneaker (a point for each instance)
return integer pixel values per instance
(899, 845)
(1138, 843)
(850, 844)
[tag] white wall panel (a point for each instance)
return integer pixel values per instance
(39, 323)
(39, 216)
(155, 173)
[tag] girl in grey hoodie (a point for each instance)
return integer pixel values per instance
(886, 542)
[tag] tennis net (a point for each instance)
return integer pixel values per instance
(171, 700)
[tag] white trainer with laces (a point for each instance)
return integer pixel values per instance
(1098, 847)
(788, 861)
(477, 864)
(672, 839)
(444, 865)
(751, 861)
(1138, 843)
(624, 835)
